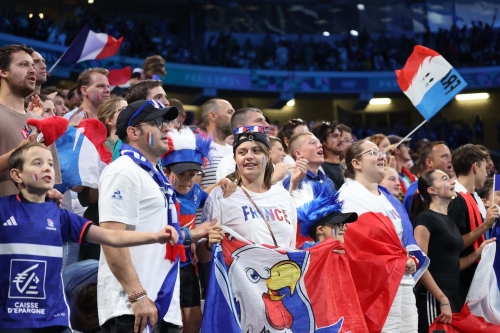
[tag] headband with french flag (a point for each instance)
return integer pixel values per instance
(429, 81)
(89, 45)
(243, 129)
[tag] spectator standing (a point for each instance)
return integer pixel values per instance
(402, 156)
(40, 71)
(288, 130)
(333, 146)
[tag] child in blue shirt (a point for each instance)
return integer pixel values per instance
(31, 245)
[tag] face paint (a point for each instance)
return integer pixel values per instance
(175, 182)
(34, 177)
(262, 161)
(150, 138)
(96, 96)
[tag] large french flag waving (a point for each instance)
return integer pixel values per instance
(256, 288)
(89, 45)
(429, 81)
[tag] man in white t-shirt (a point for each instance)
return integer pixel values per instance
(131, 198)
(216, 115)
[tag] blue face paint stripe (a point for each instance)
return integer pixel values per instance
(262, 161)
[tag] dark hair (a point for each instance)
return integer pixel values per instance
(85, 78)
(154, 65)
(286, 130)
(241, 116)
(268, 173)
(354, 150)
(71, 92)
(486, 151)
(7, 51)
(344, 128)
(485, 191)
(321, 131)
(140, 90)
(465, 156)
(427, 153)
(86, 300)
(422, 199)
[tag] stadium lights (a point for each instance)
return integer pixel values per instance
(354, 33)
(40, 16)
(291, 102)
(380, 101)
(91, 1)
(472, 97)
(326, 33)
(361, 6)
(30, 15)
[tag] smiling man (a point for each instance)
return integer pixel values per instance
(333, 146)
(17, 81)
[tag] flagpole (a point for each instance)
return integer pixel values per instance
(58, 60)
(406, 137)
(55, 64)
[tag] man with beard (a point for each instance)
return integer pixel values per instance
(216, 115)
(330, 137)
(17, 81)
(40, 71)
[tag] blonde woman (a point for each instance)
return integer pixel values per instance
(107, 114)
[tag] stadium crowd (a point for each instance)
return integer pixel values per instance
(473, 46)
(162, 180)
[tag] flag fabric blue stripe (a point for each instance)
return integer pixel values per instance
(74, 51)
(497, 183)
(69, 152)
(166, 292)
(440, 94)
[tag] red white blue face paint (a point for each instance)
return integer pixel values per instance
(175, 182)
(34, 177)
(150, 138)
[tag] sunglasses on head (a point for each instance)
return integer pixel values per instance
(243, 129)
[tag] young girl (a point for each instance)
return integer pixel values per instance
(277, 150)
(391, 181)
(31, 246)
(437, 235)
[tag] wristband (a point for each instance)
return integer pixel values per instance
(135, 297)
(187, 236)
(444, 304)
(209, 248)
(415, 260)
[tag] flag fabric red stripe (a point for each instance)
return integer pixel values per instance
(377, 267)
(111, 48)
(405, 76)
(117, 77)
(464, 322)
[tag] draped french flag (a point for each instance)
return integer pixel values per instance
(481, 312)
(429, 81)
(377, 257)
(79, 160)
(257, 288)
(89, 45)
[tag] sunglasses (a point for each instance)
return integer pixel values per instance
(255, 129)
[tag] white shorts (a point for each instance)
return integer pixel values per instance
(403, 316)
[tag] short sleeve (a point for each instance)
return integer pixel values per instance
(226, 166)
(457, 211)
(118, 198)
(74, 227)
(211, 209)
(203, 198)
(427, 220)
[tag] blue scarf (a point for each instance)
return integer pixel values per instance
(166, 189)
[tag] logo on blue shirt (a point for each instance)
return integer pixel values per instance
(27, 278)
(117, 195)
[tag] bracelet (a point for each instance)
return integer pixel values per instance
(138, 298)
(444, 304)
(134, 297)
(207, 246)
(187, 236)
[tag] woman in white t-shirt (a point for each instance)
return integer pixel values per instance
(254, 170)
(384, 258)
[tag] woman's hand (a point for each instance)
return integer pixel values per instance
(202, 230)
(479, 251)
(215, 235)
(410, 266)
(228, 187)
(446, 315)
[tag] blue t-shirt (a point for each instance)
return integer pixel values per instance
(31, 252)
(309, 177)
(188, 204)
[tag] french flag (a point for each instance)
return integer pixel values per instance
(481, 312)
(429, 81)
(89, 45)
(259, 288)
(120, 77)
